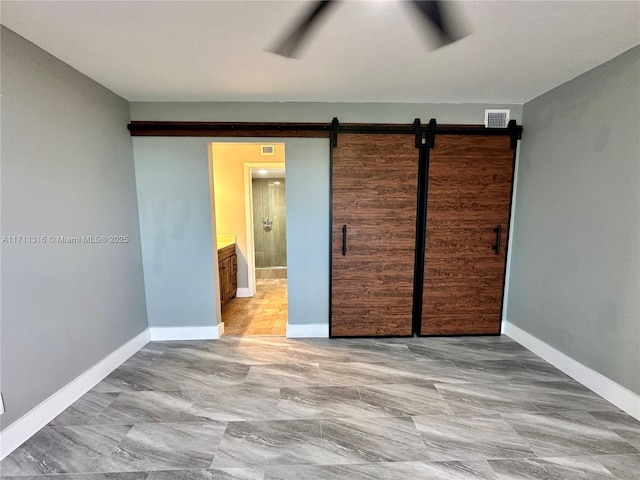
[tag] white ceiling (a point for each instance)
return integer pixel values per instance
(373, 51)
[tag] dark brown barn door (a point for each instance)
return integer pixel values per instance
(374, 181)
(468, 206)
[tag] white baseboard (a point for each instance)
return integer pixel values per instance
(308, 330)
(26, 426)
(243, 293)
(160, 334)
(611, 391)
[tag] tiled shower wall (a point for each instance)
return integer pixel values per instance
(269, 205)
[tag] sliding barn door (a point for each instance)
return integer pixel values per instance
(374, 182)
(468, 206)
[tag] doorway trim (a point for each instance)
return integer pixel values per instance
(249, 167)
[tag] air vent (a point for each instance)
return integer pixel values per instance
(496, 118)
(268, 150)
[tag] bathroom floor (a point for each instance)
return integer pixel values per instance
(263, 314)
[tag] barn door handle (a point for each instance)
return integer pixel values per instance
(498, 232)
(344, 240)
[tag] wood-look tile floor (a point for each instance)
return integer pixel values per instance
(272, 408)
(263, 314)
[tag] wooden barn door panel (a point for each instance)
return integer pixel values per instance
(468, 196)
(374, 195)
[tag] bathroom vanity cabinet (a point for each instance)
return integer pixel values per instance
(228, 270)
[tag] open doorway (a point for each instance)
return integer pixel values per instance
(267, 209)
(250, 210)
(268, 205)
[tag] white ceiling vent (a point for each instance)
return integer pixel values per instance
(268, 150)
(496, 118)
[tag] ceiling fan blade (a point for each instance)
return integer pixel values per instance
(291, 43)
(435, 13)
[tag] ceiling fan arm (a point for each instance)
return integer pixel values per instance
(296, 36)
(434, 12)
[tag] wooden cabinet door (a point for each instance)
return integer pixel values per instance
(225, 279)
(469, 196)
(374, 188)
(233, 266)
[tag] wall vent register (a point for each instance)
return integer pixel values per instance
(496, 118)
(268, 150)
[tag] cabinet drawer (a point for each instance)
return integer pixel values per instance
(226, 252)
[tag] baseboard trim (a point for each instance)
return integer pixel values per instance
(161, 334)
(611, 391)
(243, 293)
(309, 330)
(26, 426)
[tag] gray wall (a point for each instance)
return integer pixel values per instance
(576, 248)
(175, 227)
(308, 236)
(315, 112)
(175, 218)
(67, 169)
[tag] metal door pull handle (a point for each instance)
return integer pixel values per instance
(344, 240)
(498, 232)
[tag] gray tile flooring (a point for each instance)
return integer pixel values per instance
(270, 408)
